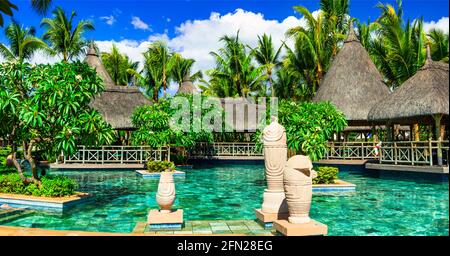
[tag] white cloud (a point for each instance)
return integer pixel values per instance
(441, 24)
(139, 24)
(197, 38)
(108, 19)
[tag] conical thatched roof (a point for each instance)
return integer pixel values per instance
(187, 87)
(353, 83)
(117, 103)
(420, 97)
(93, 60)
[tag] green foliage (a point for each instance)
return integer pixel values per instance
(154, 127)
(308, 126)
(22, 42)
(326, 175)
(49, 106)
(397, 47)
(119, 66)
(65, 38)
(235, 73)
(160, 166)
(52, 186)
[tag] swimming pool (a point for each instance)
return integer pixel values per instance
(381, 206)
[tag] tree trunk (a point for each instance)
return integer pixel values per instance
(27, 152)
(164, 87)
(272, 90)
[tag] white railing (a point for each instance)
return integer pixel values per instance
(117, 155)
(413, 153)
(351, 150)
(225, 149)
(399, 153)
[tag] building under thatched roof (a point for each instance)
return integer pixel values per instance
(352, 83)
(117, 103)
(187, 87)
(423, 95)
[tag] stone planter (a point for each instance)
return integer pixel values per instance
(298, 176)
(165, 196)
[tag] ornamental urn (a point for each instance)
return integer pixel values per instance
(165, 196)
(298, 175)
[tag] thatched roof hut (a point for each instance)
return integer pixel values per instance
(117, 103)
(416, 101)
(187, 87)
(352, 83)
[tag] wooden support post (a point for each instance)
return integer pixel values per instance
(437, 121)
(415, 132)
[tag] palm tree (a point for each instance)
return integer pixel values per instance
(439, 45)
(336, 17)
(23, 43)
(267, 56)
(65, 38)
(158, 53)
(234, 69)
(398, 48)
(114, 64)
(6, 7)
(181, 69)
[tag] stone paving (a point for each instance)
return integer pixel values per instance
(212, 227)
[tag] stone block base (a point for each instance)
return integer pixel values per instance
(312, 228)
(267, 219)
(158, 220)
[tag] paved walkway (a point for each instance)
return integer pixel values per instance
(191, 228)
(212, 227)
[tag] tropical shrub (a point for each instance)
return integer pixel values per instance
(46, 108)
(308, 126)
(160, 166)
(326, 175)
(155, 127)
(51, 186)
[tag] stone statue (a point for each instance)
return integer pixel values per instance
(298, 175)
(166, 192)
(275, 156)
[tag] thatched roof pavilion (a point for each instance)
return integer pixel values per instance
(187, 87)
(117, 103)
(421, 97)
(353, 83)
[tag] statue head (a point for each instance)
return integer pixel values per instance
(303, 164)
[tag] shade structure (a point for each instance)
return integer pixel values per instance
(352, 83)
(117, 103)
(187, 87)
(419, 98)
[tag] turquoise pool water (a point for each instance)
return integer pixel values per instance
(381, 206)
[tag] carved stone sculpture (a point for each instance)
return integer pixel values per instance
(298, 175)
(166, 192)
(275, 156)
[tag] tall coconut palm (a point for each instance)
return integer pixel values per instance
(234, 68)
(64, 37)
(6, 7)
(181, 69)
(159, 54)
(313, 48)
(336, 18)
(22, 43)
(439, 45)
(114, 64)
(398, 48)
(269, 57)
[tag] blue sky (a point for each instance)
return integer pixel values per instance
(193, 27)
(164, 16)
